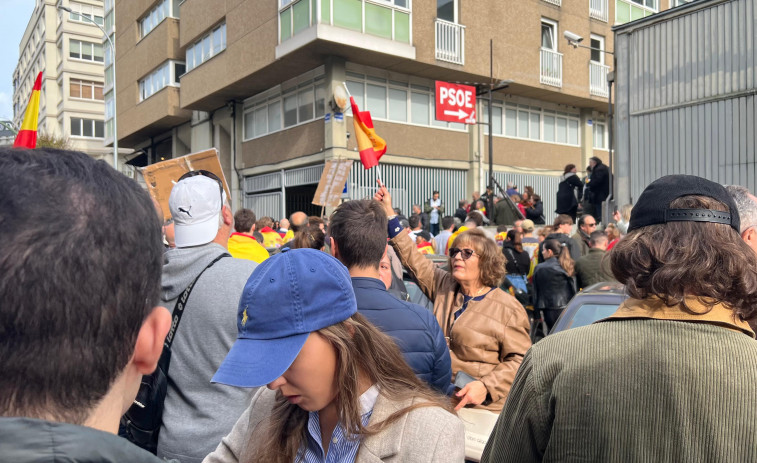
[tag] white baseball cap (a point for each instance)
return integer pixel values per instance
(195, 205)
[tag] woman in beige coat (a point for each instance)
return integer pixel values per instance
(486, 328)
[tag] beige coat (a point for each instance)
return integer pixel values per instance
(426, 434)
(489, 339)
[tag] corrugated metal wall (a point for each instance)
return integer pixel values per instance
(544, 186)
(410, 185)
(687, 96)
(265, 204)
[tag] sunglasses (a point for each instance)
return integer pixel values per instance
(210, 175)
(467, 253)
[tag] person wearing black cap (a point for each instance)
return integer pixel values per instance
(669, 376)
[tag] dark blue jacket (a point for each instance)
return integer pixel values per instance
(414, 328)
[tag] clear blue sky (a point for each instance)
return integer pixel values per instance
(13, 20)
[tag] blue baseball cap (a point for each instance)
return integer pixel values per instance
(286, 298)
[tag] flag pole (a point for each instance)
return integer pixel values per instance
(378, 169)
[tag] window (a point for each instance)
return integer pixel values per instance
(631, 10)
(87, 128)
(163, 76)
(447, 10)
(276, 109)
(86, 13)
(548, 34)
(86, 51)
(597, 44)
(598, 130)
(86, 89)
(396, 101)
(206, 47)
(151, 20)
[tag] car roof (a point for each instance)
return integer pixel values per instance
(605, 287)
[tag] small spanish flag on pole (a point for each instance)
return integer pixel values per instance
(27, 136)
(370, 145)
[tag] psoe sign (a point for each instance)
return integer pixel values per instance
(455, 103)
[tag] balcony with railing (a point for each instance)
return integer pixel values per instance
(598, 9)
(551, 67)
(598, 79)
(450, 41)
(554, 2)
(383, 19)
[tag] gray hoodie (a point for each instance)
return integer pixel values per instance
(197, 413)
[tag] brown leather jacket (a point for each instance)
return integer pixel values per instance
(488, 341)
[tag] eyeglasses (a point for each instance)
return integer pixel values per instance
(591, 224)
(467, 253)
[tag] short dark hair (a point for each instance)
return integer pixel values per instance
(414, 220)
(597, 237)
(582, 220)
(714, 265)
(73, 301)
(447, 221)
(476, 217)
(435, 192)
(244, 219)
(562, 219)
(359, 231)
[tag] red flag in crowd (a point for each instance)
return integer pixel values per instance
(370, 145)
(27, 136)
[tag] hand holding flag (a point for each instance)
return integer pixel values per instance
(370, 145)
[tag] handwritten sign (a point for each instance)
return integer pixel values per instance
(162, 176)
(332, 183)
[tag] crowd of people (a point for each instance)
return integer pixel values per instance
(296, 340)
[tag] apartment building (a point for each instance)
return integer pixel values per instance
(67, 48)
(256, 80)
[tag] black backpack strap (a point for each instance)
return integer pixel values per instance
(181, 302)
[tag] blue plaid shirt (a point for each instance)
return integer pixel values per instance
(342, 448)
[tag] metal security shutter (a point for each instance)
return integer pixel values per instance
(264, 204)
(410, 185)
(544, 186)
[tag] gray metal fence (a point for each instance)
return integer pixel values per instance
(544, 186)
(264, 204)
(410, 185)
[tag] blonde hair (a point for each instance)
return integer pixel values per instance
(361, 349)
(491, 261)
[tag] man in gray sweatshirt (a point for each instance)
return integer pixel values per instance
(197, 413)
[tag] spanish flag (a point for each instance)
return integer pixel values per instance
(371, 146)
(27, 136)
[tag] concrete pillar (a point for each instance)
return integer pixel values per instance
(335, 131)
(476, 148)
(587, 137)
(202, 131)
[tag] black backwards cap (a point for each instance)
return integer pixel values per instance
(653, 206)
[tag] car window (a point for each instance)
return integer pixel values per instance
(589, 313)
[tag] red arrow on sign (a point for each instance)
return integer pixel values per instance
(455, 102)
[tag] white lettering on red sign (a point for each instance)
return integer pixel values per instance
(455, 103)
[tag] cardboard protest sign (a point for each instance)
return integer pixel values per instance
(161, 176)
(331, 185)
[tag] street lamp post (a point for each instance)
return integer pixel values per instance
(113, 56)
(574, 41)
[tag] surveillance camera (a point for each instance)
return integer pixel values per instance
(572, 37)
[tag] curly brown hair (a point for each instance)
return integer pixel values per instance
(491, 262)
(682, 259)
